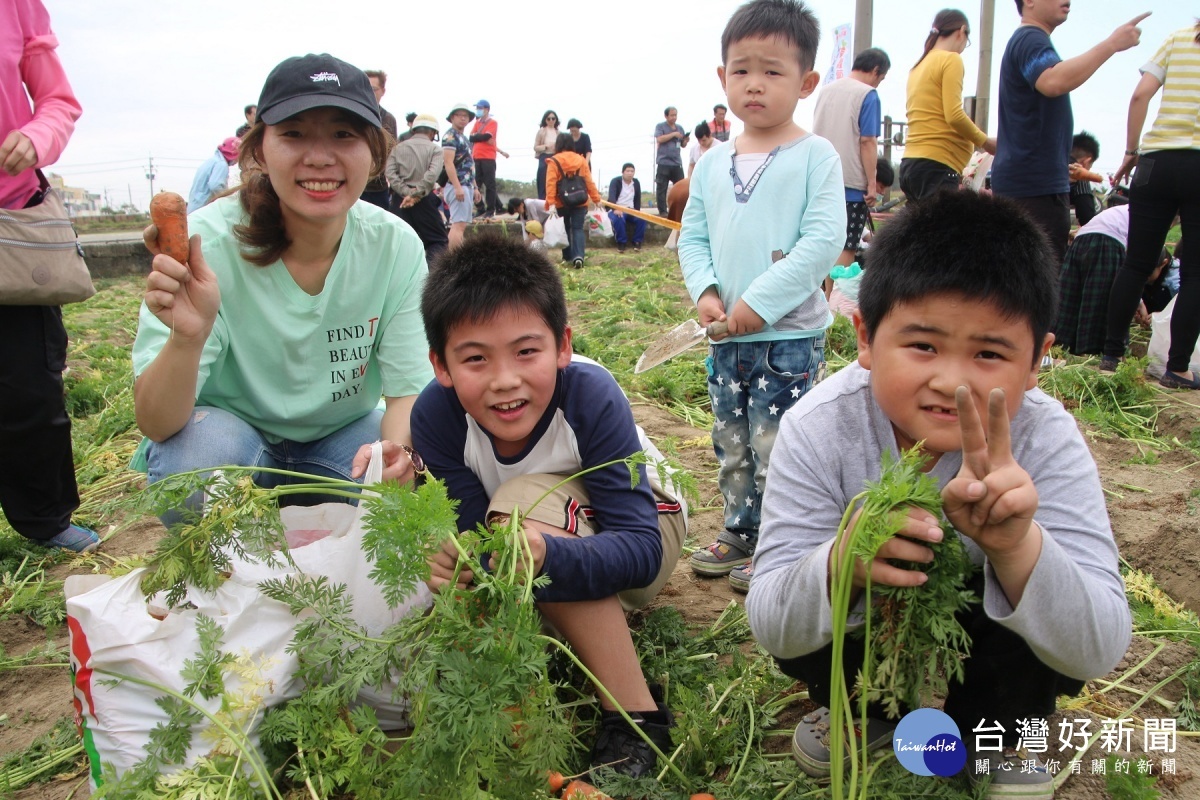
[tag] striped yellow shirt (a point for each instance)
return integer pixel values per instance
(1176, 65)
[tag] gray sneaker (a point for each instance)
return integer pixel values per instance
(810, 742)
(720, 557)
(1015, 775)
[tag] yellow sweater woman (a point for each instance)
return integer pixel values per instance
(941, 137)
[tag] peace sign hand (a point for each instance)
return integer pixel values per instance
(992, 499)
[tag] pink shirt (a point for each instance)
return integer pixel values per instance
(28, 62)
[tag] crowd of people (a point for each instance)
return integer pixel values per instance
(289, 340)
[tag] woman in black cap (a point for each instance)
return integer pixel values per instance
(300, 306)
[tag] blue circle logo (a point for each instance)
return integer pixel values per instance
(927, 742)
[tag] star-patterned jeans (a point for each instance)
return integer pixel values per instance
(750, 385)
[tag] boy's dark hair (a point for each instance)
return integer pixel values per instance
(790, 20)
(870, 60)
(628, 165)
(958, 242)
(484, 275)
(885, 173)
(703, 130)
(1087, 143)
(1020, 6)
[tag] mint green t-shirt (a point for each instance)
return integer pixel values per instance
(298, 366)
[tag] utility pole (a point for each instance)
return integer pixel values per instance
(864, 12)
(150, 173)
(983, 84)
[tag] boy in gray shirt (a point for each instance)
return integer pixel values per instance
(955, 308)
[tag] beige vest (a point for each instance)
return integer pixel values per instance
(836, 119)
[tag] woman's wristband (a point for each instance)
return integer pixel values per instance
(1132, 152)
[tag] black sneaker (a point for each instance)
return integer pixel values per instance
(620, 747)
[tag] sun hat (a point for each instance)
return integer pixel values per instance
(460, 107)
(425, 121)
(311, 81)
(483, 104)
(534, 228)
(229, 148)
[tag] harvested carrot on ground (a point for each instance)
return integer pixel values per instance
(702, 796)
(168, 212)
(555, 779)
(582, 790)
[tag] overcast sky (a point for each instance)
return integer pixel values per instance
(169, 79)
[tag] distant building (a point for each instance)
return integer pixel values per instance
(79, 202)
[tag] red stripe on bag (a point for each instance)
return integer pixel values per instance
(81, 678)
(669, 508)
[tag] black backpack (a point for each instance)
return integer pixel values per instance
(572, 189)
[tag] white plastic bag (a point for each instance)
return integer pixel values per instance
(113, 629)
(598, 223)
(1160, 343)
(554, 231)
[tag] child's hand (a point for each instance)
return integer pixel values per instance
(921, 526)
(441, 570)
(992, 499)
(744, 319)
(710, 308)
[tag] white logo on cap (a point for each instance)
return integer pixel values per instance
(326, 76)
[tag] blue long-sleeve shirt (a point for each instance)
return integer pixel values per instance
(588, 422)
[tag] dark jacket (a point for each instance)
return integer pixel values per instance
(614, 191)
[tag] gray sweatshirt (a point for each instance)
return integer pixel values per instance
(1073, 613)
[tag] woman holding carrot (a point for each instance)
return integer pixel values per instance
(298, 307)
(941, 137)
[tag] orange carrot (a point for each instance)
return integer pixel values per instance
(168, 212)
(555, 779)
(702, 796)
(582, 790)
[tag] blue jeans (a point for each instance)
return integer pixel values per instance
(574, 219)
(750, 385)
(619, 229)
(214, 437)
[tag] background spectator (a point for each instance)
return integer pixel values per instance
(376, 192)
(582, 143)
(37, 474)
(704, 142)
(1164, 184)
(213, 176)
(543, 148)
(483, 149)
(566, 161)
(941, 137)
(1084, 152)
(250, 111)
(412, 172)
(626, 190)
(719, 125)
(670, 138)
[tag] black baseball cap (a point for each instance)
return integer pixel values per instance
(314, 81)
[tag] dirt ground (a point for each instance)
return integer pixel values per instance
(1153, 511)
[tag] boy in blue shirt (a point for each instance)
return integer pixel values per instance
(953, 322)
(511, 413)
(765, 220)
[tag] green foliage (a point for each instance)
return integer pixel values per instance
(916, 643)
(841, 343)
(913, 641)
(25, 591)
(1121, 403)
(1131, 785)
(55, 751)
